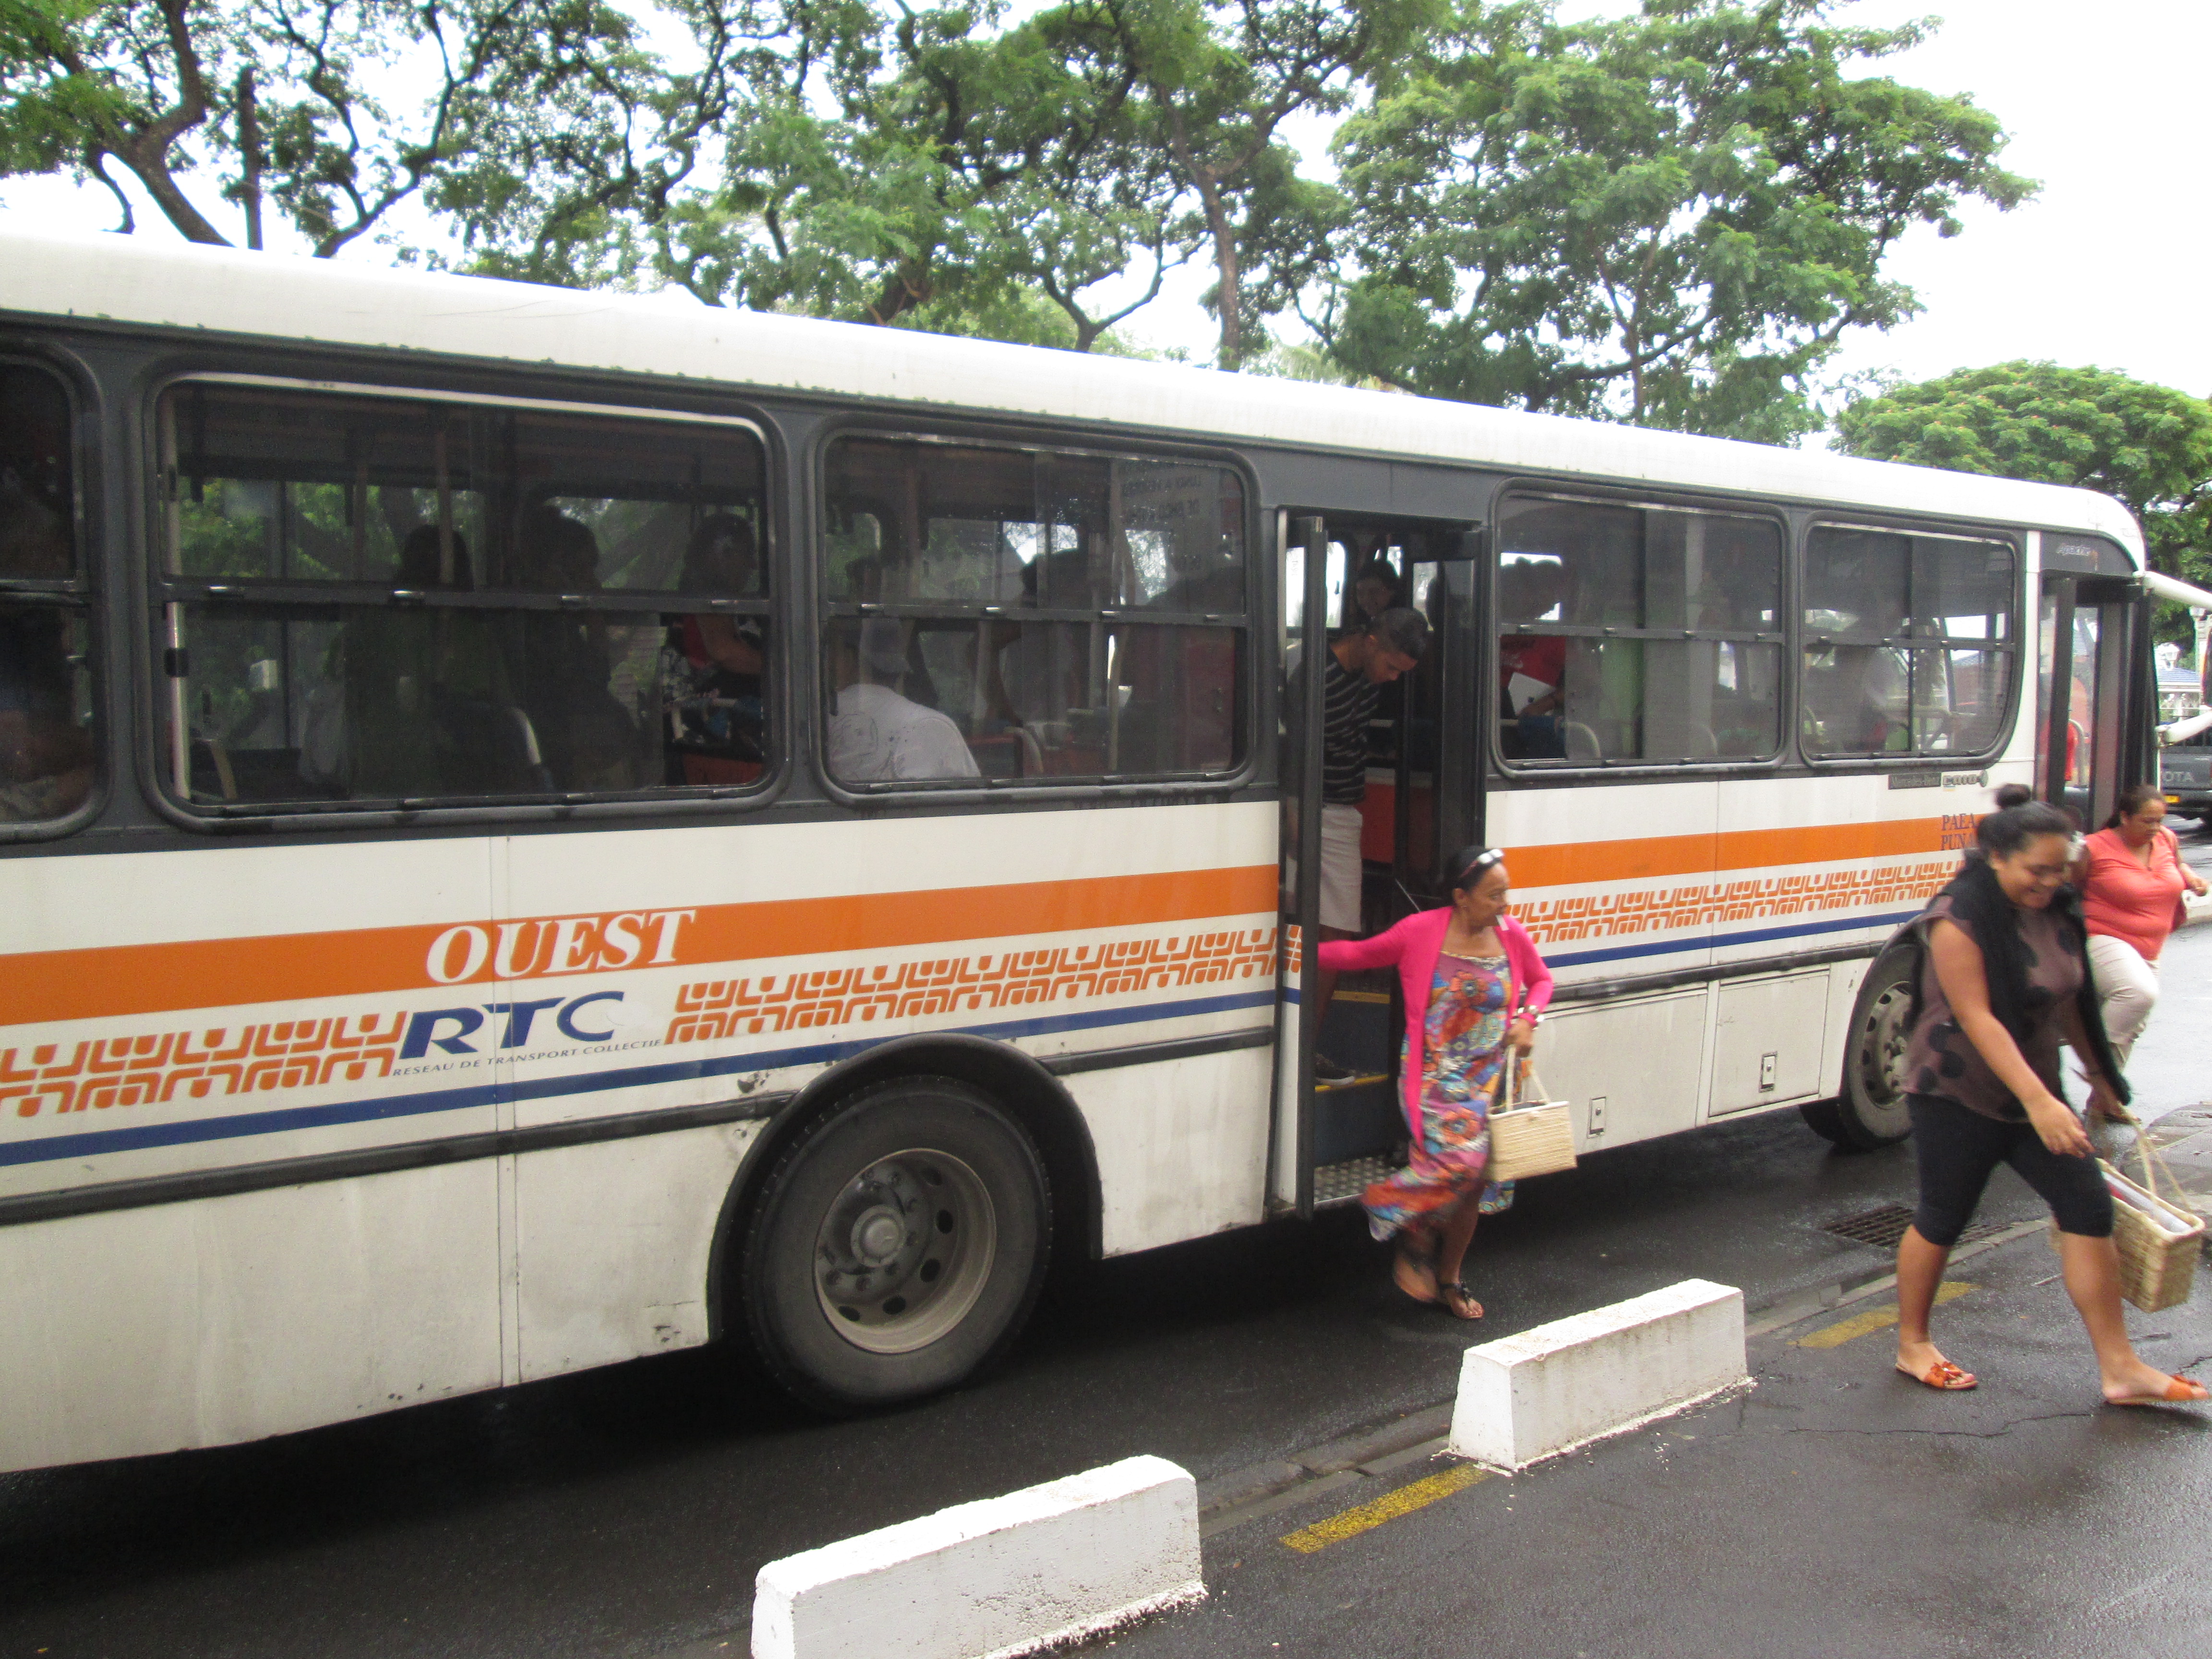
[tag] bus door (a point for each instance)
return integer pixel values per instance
(1338, 1125)
(2094, 711)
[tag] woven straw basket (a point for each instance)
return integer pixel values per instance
(2158, 1267)
(1535, 1138)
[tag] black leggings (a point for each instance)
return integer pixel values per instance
(1958, 1148)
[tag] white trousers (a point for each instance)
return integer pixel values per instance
(2127, 986)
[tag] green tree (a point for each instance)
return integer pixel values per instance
(926, 168)
(277, 100)
(1668, 219)
(1224, 78)
(2150, 446)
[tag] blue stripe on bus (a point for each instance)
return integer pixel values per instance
(52, 1147)
(1721, 941)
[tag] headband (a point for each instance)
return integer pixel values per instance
(1477, 864)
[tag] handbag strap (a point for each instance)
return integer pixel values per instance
(2155, 1164)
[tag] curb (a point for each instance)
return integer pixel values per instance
(1044, 1567)
(1230, 1500)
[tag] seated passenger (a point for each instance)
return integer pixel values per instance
(1532, 668)
(1037, 668)
(588, 741)
(714, 692)
(418, 685)
(876, 735)
(34, 539)
(45, 757)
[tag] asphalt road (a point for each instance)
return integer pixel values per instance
(1835, 1510)
(623, 1512)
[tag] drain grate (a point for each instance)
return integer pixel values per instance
(1881, 1228)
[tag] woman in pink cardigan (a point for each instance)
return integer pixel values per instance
(1474, 988)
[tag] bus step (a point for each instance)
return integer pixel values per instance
(1343, 1183)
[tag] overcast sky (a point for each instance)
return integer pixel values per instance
(2107, 265)
(2104, 266)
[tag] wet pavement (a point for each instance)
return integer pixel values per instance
(623, 1512)
(1834, 1509)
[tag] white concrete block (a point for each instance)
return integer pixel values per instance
(1553, 1388)
(1034, 1569)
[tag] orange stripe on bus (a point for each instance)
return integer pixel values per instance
(1565, 863)
(141, 979)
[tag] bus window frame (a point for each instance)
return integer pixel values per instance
(1009, 793)
(153, 759)
(2015, 647)
(86, 592)
(1519, 775)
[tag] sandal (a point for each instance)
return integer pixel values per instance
(2179, 1391)
(1944, 1377)
(1458, 1301)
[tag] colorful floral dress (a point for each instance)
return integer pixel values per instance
(1463, 1064)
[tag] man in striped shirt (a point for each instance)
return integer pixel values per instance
(1360, 664)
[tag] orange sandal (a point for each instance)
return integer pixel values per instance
(1944, 1377)
(2179, 1391)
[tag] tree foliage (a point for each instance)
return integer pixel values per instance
(2150, 446)
(277, 100)
(1668, 219)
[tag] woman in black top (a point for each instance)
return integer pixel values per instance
(2005, 980)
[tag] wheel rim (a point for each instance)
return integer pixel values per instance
(903, 1251)
(1884, 1039)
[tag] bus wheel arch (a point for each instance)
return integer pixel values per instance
(982, 1124)
(1869, 1112)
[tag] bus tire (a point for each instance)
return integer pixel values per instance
(896, 1246)
(1825, 1118)
(1871, 1113)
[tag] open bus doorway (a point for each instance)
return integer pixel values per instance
(1419, 798)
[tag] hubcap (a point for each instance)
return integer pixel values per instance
(904, 1250)
(1881, 1058)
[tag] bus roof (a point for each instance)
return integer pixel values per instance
(140, 280)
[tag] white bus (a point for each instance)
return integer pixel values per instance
(539, 828)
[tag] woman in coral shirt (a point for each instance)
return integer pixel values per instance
(2131, 878)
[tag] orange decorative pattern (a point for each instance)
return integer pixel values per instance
(1600, 915)
(710, 1010)
(138, 1071)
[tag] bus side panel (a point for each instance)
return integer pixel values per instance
(1768, 1035)
(612, 1242)
(1644, 1059)
(177, 1326)
(1182, 1145)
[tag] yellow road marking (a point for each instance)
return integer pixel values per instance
(1875, 1319)
(1389, 1507)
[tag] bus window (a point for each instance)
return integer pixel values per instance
(378, 599)
(47, 747)
(1637, 634)
(1066, 616)
(1909, 642)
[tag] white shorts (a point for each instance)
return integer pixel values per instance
(1340, 866)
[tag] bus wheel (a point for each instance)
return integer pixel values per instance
(1871, 1113)
(897, 1245)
